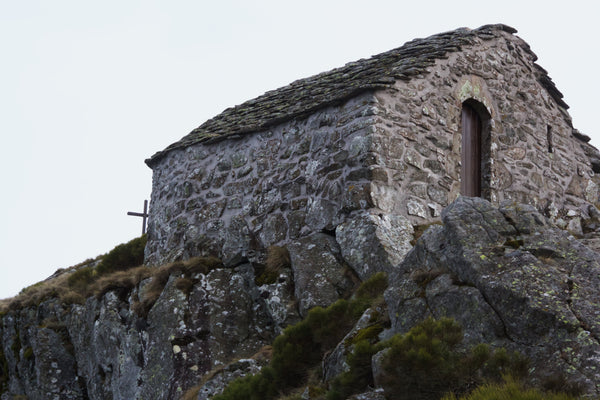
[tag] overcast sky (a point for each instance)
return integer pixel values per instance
(89, 89)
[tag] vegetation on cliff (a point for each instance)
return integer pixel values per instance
(301, 347)
(75, 284)
(517, 289)
(428, 362)
(120, 270)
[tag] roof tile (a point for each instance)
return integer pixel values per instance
(304, 96)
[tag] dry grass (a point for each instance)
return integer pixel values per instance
(278, 258)
(423, 277)
(160, 277)
(76, 284)
(263, 355)
(4, 304)
(192, 393)
(39, 292)
(419, 230)
(121, 282)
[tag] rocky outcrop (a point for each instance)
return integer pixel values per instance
(511, 279)
(108, 349)
(507, 275)
(373, 243)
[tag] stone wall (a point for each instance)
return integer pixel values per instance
(395, 152)
(417, 138)
(235, 197)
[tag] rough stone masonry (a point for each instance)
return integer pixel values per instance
(375, 143)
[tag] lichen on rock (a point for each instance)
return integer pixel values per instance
(511, 279)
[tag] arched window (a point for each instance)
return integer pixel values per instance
(475, 157)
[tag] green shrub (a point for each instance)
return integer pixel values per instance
(358, 377)
(425, 363)
(301, 347)
(261, 386)
(123, 256)
(421, 362)
(369, 293)
(80, 280)
(373, 287)
(83, 282)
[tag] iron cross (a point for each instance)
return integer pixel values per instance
(144, 215)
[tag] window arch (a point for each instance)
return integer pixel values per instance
(475, 154)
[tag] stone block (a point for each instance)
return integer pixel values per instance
(438, 194)
(274, 229)
(318, 274)
(212, 210)
(295, 223)
(414, 207)
(321, 214)
(372, 243)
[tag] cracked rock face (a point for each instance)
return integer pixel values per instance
(219, 381)
(104, 349)
(512, 280)
(320, 275)
(507, 275)
(373, 243)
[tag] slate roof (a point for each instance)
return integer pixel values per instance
(304, 96)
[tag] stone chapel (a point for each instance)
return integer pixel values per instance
(374, 148)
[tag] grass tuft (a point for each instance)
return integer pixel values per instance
(160, 276)
(509, 390)
(278, 258)
(119, 271)
(419, 230)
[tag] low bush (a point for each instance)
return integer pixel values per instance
(360, 375)
(301, 347)
(93, 280)
(424, 363)
(80, 280)
(84, 281)
(123, 256)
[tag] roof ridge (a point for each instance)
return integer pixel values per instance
(304, 96)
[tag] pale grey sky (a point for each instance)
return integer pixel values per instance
(88, 90)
